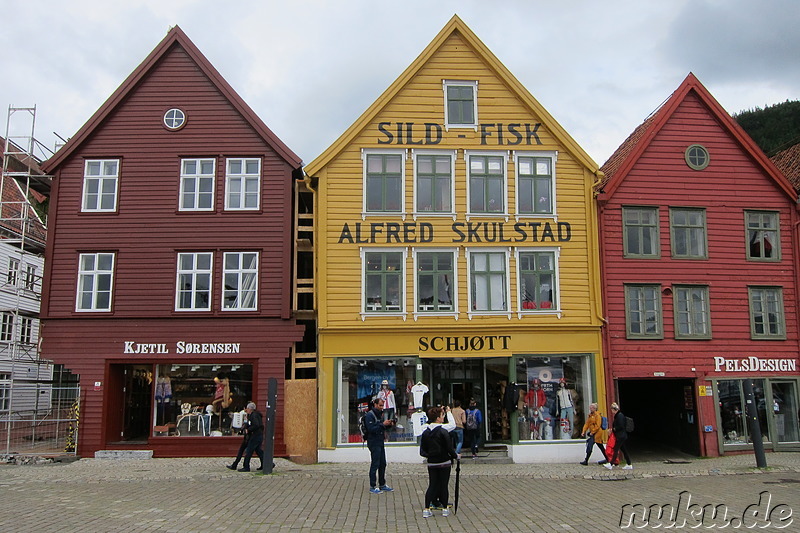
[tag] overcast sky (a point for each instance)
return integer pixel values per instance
(309, 68)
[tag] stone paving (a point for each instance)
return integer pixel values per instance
(200, 494)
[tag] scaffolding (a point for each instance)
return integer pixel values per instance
(38, 400)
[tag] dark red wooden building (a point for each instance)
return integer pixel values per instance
(699, 259)
(169, 256)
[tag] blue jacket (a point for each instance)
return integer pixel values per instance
(375, 427)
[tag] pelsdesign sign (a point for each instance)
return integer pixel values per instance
(181, 347)
(754, 364)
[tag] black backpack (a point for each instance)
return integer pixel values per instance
(362, 425)
(431, 445)
(629, 424)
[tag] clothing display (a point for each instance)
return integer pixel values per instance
(419, 391)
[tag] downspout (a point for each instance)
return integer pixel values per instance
(605, 337)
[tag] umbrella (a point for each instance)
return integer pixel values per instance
(455, 499)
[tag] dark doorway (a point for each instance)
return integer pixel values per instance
(137, 403)
(665, 414)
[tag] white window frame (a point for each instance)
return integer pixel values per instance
(365, 152)
(403, 283)
(105, 176)
(243, 178)
(461, 83)
(25, 330)
(241, 274)
(194, 272)
(93, 274)
(5, 391)
(556, 309)
(6, 327)
(454, 282)
(553, 156)
(30, 277)
(453, 154)
(468, 154)
(507, 285)
(12, 276)
(197, 178)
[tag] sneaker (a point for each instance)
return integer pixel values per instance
(427, 513)
(375, 490)
(584, 463)
(627, 467)
(446, 511)
(386, 488)
(608, 466)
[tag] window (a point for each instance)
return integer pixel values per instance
(535, 184)
(640, 232)
(537, 280)
(488, 281)
(435, 281)
(241, 280)
(25, 330)
(434, 178)
(13, 271)
(5, 391)
(763, 242)
(384, 183)
(688, 228)
(100, 185)
(174, 119)
(30, 277)
(7, 327)
(194, 281)
(461, 104)
(643, 311)
(487, 184)
(697, 157)
(383, 281)
(243, 184)
(197, 185)
(95, 277)
(692, 315)
(766, 313)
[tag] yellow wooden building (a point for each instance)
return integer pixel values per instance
(457, 260)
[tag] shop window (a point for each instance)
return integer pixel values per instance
(197, 185)
(554, 397)
(361, 381)
(200, 400)
(643, 312)
(434, 183)
(384, 280)
(241, 280)
(194, 281)
(640, 232)
(692, 315)
(243, 184)
(100, 179)
(384, 182)
(733, 418)
(688, 228)
(763, 242)
(766, 313)
(435, 272)
(488, 279)
(535, 183)
(486, 184)
(461, 104)
(537, 280)
(95, 278)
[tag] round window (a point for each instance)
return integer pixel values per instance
(697, 157)
(174, 119)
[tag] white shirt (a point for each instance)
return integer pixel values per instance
(388, 397)
(419, 390)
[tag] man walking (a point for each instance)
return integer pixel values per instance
(255, 436)
(376, 427)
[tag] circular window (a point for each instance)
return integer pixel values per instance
(174, 119)
(697, 157)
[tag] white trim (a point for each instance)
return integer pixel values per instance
(94, 273)
(461, 83)
(100, 178)
(194, 272)
(454, 283)
(454, 157)
(241, 271)
(556, 309)
(244, 176)
(507, 252)
(403, 283)
(553, 155)
(487, 153)
(197, 176)
(403, 153)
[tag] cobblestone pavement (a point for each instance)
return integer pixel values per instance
(201, 495)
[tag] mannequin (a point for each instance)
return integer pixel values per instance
(163, 398)
(222, 396)
(387, 395)
(566, 407)
(535, 401)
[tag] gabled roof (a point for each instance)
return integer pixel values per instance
(455, 25)
(788, 162)
(625, 157)
(174, 37)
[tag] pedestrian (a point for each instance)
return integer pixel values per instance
(594, 432)
(242, 446)
(618, 426)
(460, 418)
(437, 446)
(472, 426)
(255, 436)
(376, 428)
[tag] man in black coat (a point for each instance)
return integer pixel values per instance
(255, 436)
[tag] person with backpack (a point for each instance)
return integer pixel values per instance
(619, 426)
(436, 446)
(595, 432)
(375, 429)
(472, 426)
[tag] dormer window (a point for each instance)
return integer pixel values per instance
(461, 104)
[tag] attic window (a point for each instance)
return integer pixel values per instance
(697, 157)
(174, 119)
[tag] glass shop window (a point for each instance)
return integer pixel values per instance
(732, 414)
(361, 381)
(200, 400)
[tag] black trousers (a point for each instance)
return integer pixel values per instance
(438, 485)
(253, 445)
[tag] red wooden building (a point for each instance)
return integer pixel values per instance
(169, 260)
(699, 258)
